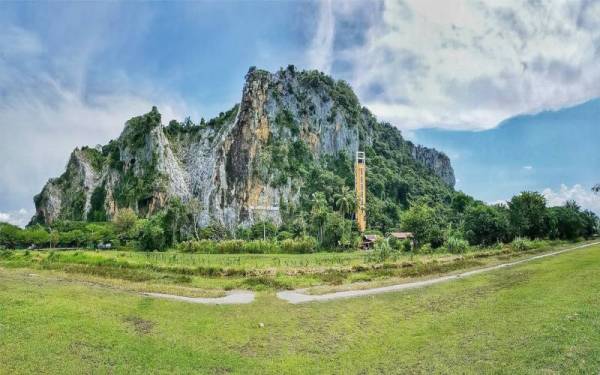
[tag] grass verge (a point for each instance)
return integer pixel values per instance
(538, 317)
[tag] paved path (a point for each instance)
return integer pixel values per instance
(233, 298)
(297, 296)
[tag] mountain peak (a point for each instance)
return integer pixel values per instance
(291, 129)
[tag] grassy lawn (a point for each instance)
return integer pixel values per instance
(538, 317)
(214, 274)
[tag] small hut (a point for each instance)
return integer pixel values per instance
(369, 241)
(402, 235)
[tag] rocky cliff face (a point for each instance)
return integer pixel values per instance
(239, 167)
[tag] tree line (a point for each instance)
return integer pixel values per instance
(327, 224)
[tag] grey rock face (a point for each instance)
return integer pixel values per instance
(228, 165)
(436, 161)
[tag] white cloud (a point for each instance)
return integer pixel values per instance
(528, 167)
(19, 217)
(47, 110)
(320, 54)
(468, 64)
(584, 197)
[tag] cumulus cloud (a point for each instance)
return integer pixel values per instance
(584, 197)
(528, 167)
(467, 64)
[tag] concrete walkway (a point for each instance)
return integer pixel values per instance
(298, 296)
(233, 298)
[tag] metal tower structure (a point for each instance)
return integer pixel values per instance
(360, 185)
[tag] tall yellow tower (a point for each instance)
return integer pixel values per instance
(360, 186)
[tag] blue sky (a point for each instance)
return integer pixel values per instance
(72, 73)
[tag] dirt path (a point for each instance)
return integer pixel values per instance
(233, 298)
(298, 296)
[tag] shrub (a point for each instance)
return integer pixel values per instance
(230, 246)
(202, 246)
(302, 245)
(284, 235)
(400, 245)
(260, 247)
(521, 244)
(456, 245)
(382, 251)
(426, 249)
(150, 235)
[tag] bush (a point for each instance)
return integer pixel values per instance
(456, 245)
(202, 246)
(150, 235)
(302, 245)
(260, 247)
(230, 247)
(521, 244)
(284, 235)
(400, 245)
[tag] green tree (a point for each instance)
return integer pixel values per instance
(54, 238)
(568, 220)
(35, 235)
(72, 238)
(486, 225)
(527, 214)
(461, 201)
(318, 213)
(421, 220)
(590, 223)
(175, 217)
(337, 231)
(263, 229)
(344, 200)
(124, 220)
(9, 235)
(151, 235)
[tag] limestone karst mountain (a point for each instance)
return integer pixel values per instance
(293, 133)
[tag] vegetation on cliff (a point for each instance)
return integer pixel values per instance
(280, 166)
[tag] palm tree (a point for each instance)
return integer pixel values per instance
(344, 200)
(318, 212)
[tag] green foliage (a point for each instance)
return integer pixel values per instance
(151, 235)
(521, 244)
(486, 225)
(223, 118)
(400, 245)
(527, 213)
(138, 127)
(9, 235)
(263, 229)
(124, 220)
(304, 245)
(198, 246)
(569, 222)
(285, 119)
(425, 224)
(456, 245)
(95, 157)
(230, 246)
(97, 211)
(113, 153)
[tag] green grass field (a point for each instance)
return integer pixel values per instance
(214, 274)
(539, 317)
